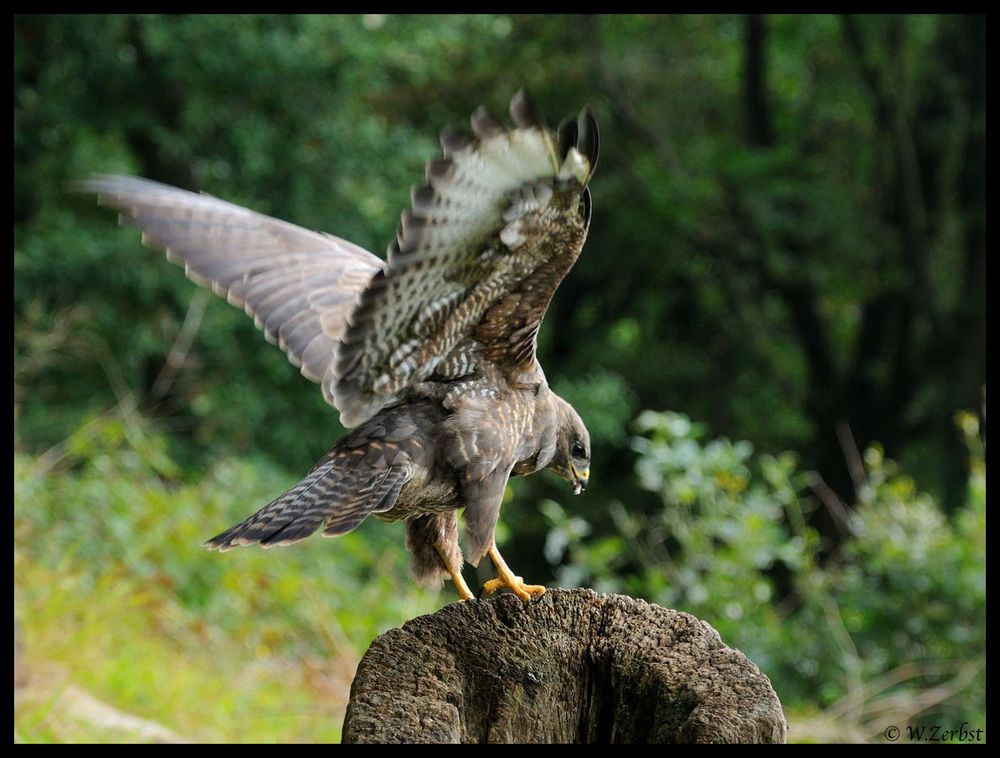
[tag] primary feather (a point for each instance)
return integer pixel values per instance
(299, 286)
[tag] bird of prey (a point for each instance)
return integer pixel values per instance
(429, 356)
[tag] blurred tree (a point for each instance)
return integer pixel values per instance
(891, 631)
(788, 239)
(838, 254)
(788, 244)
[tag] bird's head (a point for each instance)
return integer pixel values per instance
(572, 456)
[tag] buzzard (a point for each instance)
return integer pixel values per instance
(429, 355)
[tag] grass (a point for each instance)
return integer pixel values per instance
(121, 611)
(133, 632)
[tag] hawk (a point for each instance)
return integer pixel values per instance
(429, 356)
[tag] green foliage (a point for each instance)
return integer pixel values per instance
(771, 282)
(905, 598)
(113, 584)
(771, 274)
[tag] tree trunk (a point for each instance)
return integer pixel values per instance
(756, 109)
(571, 667)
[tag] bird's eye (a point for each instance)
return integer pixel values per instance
(578, 450)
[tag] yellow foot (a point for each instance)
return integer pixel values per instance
(507, 579)
(456, 576)
(463, 589)
(517, 586)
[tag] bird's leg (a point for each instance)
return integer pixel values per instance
(507, 579)
(456, 576)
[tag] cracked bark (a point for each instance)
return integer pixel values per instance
(571, 667)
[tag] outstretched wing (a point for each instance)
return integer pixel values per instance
(298, 285)
(502, 218)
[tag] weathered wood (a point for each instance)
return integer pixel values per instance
(572, 666)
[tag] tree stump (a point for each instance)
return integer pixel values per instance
(570, 667)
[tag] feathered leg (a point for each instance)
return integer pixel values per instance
(433, 542)
(456, 576)
(483, 497)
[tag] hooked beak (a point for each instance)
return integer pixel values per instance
(580, 479)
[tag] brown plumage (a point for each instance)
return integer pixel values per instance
(430, 356)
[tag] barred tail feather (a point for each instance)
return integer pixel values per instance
(329, 497)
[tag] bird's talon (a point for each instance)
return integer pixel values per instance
(492, 586)
(517, 586)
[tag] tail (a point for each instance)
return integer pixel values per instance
(338, 494)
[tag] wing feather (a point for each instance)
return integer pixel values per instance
(299, 286)
(491, 234)
(501, 219)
